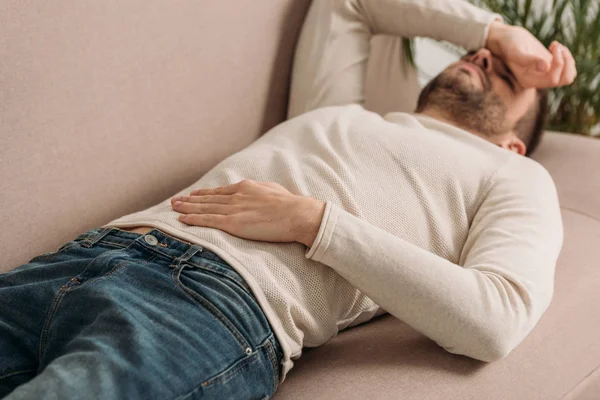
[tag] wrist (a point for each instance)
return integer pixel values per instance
(495, 32)
(310, 214)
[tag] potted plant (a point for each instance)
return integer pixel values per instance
(575, 24)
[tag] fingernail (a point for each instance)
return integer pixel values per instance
(177, 203)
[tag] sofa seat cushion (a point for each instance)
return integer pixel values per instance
(560, 359)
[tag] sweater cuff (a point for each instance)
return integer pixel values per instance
(328, 223)
(486, 28)
(477, 38)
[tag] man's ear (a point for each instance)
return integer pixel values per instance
(513, 143)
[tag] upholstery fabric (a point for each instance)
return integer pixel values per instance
(90, 89)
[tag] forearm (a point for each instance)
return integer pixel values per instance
(455, 21)
(434, 296)
(308, 215)
(465, 311)
(333, 48)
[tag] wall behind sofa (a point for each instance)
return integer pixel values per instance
(110, 107)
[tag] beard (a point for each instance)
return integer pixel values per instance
(471, 108)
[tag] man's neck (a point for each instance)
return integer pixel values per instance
(444, 117)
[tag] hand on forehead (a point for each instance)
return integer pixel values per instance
(498, 66)
(503, 82)
(532, 64)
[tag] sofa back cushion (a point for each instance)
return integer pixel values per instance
(107, 108)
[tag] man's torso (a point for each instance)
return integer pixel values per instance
(412, 176)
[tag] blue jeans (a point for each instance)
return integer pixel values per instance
(120, 315)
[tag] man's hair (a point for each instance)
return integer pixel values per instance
(530, 128)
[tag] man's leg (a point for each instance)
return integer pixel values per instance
(154, 319)
(26, 295)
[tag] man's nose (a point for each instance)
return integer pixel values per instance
(482, 58)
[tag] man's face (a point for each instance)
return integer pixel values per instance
(480, 94)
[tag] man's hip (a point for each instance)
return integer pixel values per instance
(128, 314)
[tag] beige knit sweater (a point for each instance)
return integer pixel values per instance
(440, 228)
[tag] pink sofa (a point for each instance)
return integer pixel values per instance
(107, 108)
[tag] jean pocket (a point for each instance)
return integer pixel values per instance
(223, 299)
(221, 271)
(275, 360)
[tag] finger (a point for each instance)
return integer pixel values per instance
(539, 60)
(206, 220)
(209, 198)
(273, 185)
(229, 189)
(195, 208)
(558, 62)
(570, 69)
(545, 65)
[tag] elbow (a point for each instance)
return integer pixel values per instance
(505, 334)
(489, 350)
(499, 339)
(491, 342)
(494, 352)
(482, 347)
(494, 338)
(498, 336)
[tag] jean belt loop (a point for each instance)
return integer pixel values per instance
(94, 239)
(189, 253)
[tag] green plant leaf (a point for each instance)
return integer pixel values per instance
(575, 24)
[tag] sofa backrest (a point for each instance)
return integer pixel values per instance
(107, 108)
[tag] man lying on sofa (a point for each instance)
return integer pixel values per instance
(437, 217)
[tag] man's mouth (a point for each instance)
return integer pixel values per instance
(473, 69)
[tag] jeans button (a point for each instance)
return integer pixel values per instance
(151, 240)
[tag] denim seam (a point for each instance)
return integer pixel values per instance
(62, 248)
(103, 241)
(207, 267)
(48, 320)
(23, 371)
(170, 258)
(96, 236)
(208, 306)
(228, 373)
(58, 298)
(273, 357)
(112, 271)
(115, 269)
(156, 250)
(222, 376)
(99, 255)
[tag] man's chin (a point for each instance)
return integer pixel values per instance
(466, 83)
(460, 82)
(464, 89)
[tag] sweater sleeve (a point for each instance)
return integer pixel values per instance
(488, 303)
(333, 48)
